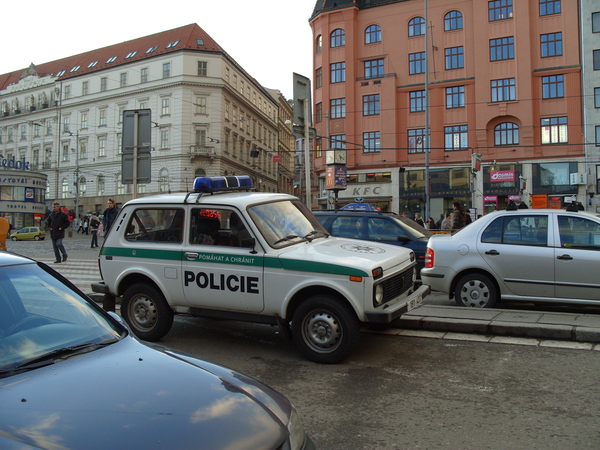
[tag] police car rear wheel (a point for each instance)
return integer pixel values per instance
(325, 330)
(147, 312)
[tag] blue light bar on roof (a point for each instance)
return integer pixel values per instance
(214, 184)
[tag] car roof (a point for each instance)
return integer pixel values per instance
(239, 199)
(543, 211)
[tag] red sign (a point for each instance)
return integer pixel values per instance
(276, 158)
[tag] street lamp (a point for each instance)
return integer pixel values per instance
(76, 173)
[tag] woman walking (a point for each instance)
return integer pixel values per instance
(94, 224)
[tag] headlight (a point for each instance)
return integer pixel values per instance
(378, 295)
(296, 431)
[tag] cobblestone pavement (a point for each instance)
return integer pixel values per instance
(81, 267)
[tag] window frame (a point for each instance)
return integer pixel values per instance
(371, 105)
(372, 137)
(553, 86)
(454, 57)
(455, 97)
(551, 44)
(416, 27)
(338, 107)
(451, 133)
(417, 101)
(337, 38)
(549, 7)
(374, 68)
(453, 20)
(506, 133)
(505, 87)
(556, 127)
(337, 73)
(416, 63)
(500, 10)
(416, 139)
(502, 49)
(373, 34)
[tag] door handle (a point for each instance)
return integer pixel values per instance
(567, 257)
(492, 252)
(191, 256)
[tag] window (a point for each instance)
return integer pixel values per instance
(455, 97)
(173, 44)
(48, 127)
(596, 22)
(103, 82)
(502, 48)
(416, 138)
(503, 90)
(371, 105)
(23, 132)
(111, 59)
(596, 59)
(453, 21)
(338, 38)
(92, 64)
(554, 130)
(416, 26)
(165, 106)
(319, 44)
(338, 141)
(551, 44)
(164, 139)
(500, 9)
(200, 105)
(131, 54)
(67, 91)
(102, 146)
(102, 121)
(84, 120)
(166, 70)
(64, 188)
(553, 86)
(202, 68)
(374, 68)
(456, 138)
(66, 124)
(338, 108)
(455, 58)
(597, 97)
(597, 135)
(100, 183)
(371, 142)
(418, 101)
(506, 133)
(123, 79)
(416, 63)
(319, 112)
(373, 34)
(163, 181)
(85, 88)
(319, 77)
(144, 75)
(338, 72)
(152, 49)
(548, 7)
(36, 131)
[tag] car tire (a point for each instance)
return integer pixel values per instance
(36, 238)
(147, 312)
(14, 238)
(324, 329)
(476, 290)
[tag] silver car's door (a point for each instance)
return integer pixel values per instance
(517, 250)
(578, 258)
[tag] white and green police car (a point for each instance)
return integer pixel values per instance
(259, 257)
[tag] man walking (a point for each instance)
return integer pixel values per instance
(57, 223)
(110, 215)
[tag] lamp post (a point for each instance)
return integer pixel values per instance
(76, 174)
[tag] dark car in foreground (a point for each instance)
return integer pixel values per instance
(73, 376)
(531, 255)
(379, 227)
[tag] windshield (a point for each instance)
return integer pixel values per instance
(413, 229)
(286, 222)
(40, 315)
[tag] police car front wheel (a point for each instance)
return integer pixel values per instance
(325, 329)
(147, 312)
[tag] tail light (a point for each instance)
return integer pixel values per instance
(429, 258)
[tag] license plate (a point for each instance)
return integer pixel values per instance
(414, 303)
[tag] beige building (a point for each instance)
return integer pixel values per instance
(209, 117)
(500, 79)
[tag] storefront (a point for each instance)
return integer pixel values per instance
(22, 193)
(502, 183)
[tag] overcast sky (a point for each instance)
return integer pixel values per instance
(270, 39)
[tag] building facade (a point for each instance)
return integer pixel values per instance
(491, 88)
(209, 117)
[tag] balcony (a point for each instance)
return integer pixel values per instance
(197, 151)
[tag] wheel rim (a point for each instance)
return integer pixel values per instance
(322, 331)
(143, 312)
(475, 293)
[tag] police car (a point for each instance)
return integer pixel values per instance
(224, 251)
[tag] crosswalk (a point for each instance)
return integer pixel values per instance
(82, 273)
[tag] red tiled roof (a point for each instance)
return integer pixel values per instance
(187, 36)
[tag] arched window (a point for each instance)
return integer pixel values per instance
(64, 185)
(82, 186)
(338, 38)
(319, 44)
(416, 26)
(373, 34)
(453, 21)
(200, 173)
(506, 133)
(163, 181)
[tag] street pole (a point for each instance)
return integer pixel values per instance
(77, 175)
(307, 154)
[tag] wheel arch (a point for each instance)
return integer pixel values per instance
(469, 271)
(310, 291)
(133, 278)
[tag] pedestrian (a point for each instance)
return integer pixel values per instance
(86, 225)
(94, 224)
(57, 223)
(110, 215)
(468, 218)
(439, 222)
(447, 222)
(459, 219)
(419, 220)
(431, 225)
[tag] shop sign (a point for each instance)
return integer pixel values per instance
(12, 163)
(499, 176)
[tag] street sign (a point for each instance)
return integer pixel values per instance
(137, 145)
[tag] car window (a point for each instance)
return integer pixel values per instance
(579, 232)
(344, 226)
(382, 229)
(517, 230)
(155, 225)
(218, 226)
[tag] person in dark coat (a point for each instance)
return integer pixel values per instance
(459, 218)
(57, 223)
(110, 215)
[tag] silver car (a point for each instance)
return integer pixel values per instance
(545, 255)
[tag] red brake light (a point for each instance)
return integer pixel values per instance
(429, 257)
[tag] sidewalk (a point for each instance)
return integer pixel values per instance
(502, 322)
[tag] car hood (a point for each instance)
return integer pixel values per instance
(343, 256)
(129, 395)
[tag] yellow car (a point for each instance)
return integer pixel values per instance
(35, 233)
